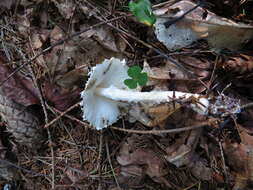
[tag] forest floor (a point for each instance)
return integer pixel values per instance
(47, 50)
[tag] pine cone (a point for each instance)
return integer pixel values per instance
(21, 123)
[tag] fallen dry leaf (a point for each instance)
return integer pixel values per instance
(195, 26)
(238, 159)
(61, 98)
(66, 8)
(17, 88)
(144, 157)
(182, 154)
(169, 71)
(146, 160)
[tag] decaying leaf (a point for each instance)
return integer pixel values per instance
(199, 24)
(169, 71)
(17, 88)
(182, 155)
(240, 158)
(62, 98)
(109, 40)
(146, 160)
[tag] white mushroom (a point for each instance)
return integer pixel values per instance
(105, 93)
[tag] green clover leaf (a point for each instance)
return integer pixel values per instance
(142, 11)
(132, 84)
(137, 77)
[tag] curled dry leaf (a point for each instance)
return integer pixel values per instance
(182, 155)
(169, 71)
(21, 123)
(105, 36)
(199, 24)
(166, 74)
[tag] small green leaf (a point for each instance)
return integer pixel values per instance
(142, 79)
(141, 9)
(134, 71)
(132, 84)
(137, 76)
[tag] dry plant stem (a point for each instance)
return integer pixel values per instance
(58, 43)
(191, 186)
(62, 114)
(86, 125)
(223, 162)
(100, 158)
(247, 106)
(202, 124)
(213, 72)
(21, 168)
(110, 162)
(46, 121)
(66, 129)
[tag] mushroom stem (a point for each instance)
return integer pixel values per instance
(117, 94)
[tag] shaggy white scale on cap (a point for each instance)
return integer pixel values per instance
(105, 92)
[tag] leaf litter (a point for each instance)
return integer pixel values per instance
(216, 156)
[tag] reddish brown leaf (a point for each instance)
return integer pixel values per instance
(17, 88)
(146, 161)
(61, 98)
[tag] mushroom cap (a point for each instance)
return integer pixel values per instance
(100, 111)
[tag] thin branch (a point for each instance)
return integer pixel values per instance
(110, 162)
(42, 102)
(202, 124)
(21, 168)
(62, 114)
